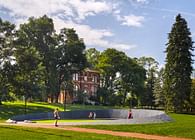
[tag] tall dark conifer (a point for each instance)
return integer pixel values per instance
(178, 66)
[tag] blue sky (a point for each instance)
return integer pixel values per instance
(137, 27)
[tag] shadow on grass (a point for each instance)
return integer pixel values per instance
(10, 110)
(36, 131)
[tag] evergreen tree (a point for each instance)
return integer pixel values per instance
(178, 67)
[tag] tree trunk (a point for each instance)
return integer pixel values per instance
(25, 105)
(124, 98)
(56, 97)
(51, 96)
(65, 100)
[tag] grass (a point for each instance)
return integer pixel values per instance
(182, 126)
(24, 133)
(9, 109)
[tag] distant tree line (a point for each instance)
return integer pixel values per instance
(36, 62)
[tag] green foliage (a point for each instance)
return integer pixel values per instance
(110, 62)
(158, 89)
(7, 33)
(151, 67)
(177, 85)
(71, 56)
(121, 76)
(48, 57)
(192, 96)
(80, 96)
(29, 73)
(38, 34)
(92, 56)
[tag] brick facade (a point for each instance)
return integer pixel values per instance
(87, 81)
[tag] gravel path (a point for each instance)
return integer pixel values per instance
(108, 121)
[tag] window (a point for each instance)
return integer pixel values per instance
(76, 88)
(85, 78)
(94, 89)
(94, 79)
(75, 77)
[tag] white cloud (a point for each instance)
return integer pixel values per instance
(89, 7)
(77, 9)
(127, 20)
(138, 3)
(67, 13)
(141, 1)
(130, 20)
(92, 37)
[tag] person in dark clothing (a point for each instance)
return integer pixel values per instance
(56, 116)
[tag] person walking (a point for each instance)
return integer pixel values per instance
(56, 116)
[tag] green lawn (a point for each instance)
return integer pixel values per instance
(23, 133)
(9, 109)
(182, 126)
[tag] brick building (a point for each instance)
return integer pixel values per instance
(86, 81)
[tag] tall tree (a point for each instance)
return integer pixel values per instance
(29, 72)
(178, 68)
(61, 54)
(38, 33)
(132, 77)
(109, 64)
(151, 66)
(71, 56)
(121, 76)
(7, 33)
(158, 89)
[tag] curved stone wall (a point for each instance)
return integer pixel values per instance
(111, 113)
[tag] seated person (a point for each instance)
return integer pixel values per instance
(94, 115)
(90, 115)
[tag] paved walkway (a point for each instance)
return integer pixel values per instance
(107, 132)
